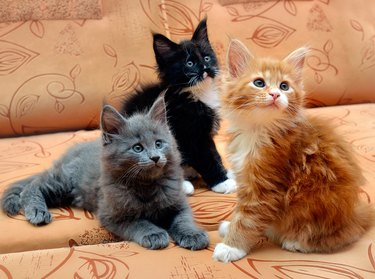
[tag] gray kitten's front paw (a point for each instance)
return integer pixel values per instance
(155, 240)
(38, 216)
(196, 240)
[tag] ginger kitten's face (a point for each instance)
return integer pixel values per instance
(262, 90)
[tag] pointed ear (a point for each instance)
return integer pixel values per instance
(111, 122)
(158, 111)
(238, 58)
(297, 60)
(200, 33)
(162, 45)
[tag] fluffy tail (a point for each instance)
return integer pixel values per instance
(11, 199)
(365, 213)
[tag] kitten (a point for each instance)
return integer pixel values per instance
(131, 179)
(297, 180)
(188, 70)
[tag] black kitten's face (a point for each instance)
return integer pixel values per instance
(187, 63)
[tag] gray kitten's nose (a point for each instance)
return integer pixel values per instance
(155, 158)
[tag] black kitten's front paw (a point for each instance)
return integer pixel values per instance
(155, 240)
(38, 216)
(196, 240)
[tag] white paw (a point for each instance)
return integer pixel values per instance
(188, 187)
(223, 228)
(292, 246)
(230, 174)
(225, 253)
(226, 187)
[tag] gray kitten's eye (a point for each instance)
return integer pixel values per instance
(259, 83)
(158, 144)
(138, 148)
(284, 86)
(207, 58)
(189, 64)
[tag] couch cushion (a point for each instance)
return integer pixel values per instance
(65, 68)
(23, 156)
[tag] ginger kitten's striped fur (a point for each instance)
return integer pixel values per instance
(297, 180)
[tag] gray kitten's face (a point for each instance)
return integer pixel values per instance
(139, 146)
(141, 150)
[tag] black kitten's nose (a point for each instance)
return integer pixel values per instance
(155, 158)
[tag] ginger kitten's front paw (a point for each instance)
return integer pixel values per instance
(223, 228)
(188, 187)
(225, 253)
(226, 187)
(193, 240)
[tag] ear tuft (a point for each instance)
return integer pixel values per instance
(111, 123)
(200, 33)
(162, 45)
(158, 111)
(297, 60)
(238, 58)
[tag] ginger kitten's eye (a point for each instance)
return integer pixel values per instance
(189, 64)
(259, 83)
(138, 148)
(284, 86)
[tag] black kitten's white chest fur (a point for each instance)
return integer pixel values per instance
(187, 74)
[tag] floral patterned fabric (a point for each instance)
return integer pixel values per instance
(87, 249)
(65, 68)
(54, 76)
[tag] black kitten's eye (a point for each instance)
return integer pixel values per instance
(138, 148)
(158, 144)
(189, 64)
(284, 86)
(259, 83)
(207, 58)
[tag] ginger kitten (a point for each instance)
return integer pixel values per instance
(297, 179)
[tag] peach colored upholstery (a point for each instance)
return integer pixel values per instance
(65, 68)
(55, 74)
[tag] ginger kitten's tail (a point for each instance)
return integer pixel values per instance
(365, 212)
(11, 199)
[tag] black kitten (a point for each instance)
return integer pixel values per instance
(131, 179)
(187, 72)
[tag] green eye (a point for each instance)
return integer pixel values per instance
(189, 64)
(138, 148)
(284, 86)
(158, 144)
(259, 83)
(207, 58)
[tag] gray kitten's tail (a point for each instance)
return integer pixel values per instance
(11, 199)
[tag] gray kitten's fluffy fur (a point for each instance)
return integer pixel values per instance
(131, 179)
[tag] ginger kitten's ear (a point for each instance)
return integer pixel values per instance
(111, 122)
(297, 60)
(238, 58)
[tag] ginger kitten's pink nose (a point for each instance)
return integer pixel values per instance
(274, 95)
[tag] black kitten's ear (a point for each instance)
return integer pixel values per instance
(162, 45)
(158, 111)
(238, 58)
(200, 33)
(111, 122)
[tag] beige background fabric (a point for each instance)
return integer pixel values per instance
(65, 68)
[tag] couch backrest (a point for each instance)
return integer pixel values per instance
(54, 75)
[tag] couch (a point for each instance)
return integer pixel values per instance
(54, 75)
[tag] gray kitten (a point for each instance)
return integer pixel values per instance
(131, 179)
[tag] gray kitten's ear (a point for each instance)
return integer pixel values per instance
(158, 111)
(200, 33)
(111, 122)
(297, 60)
(238, 58)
